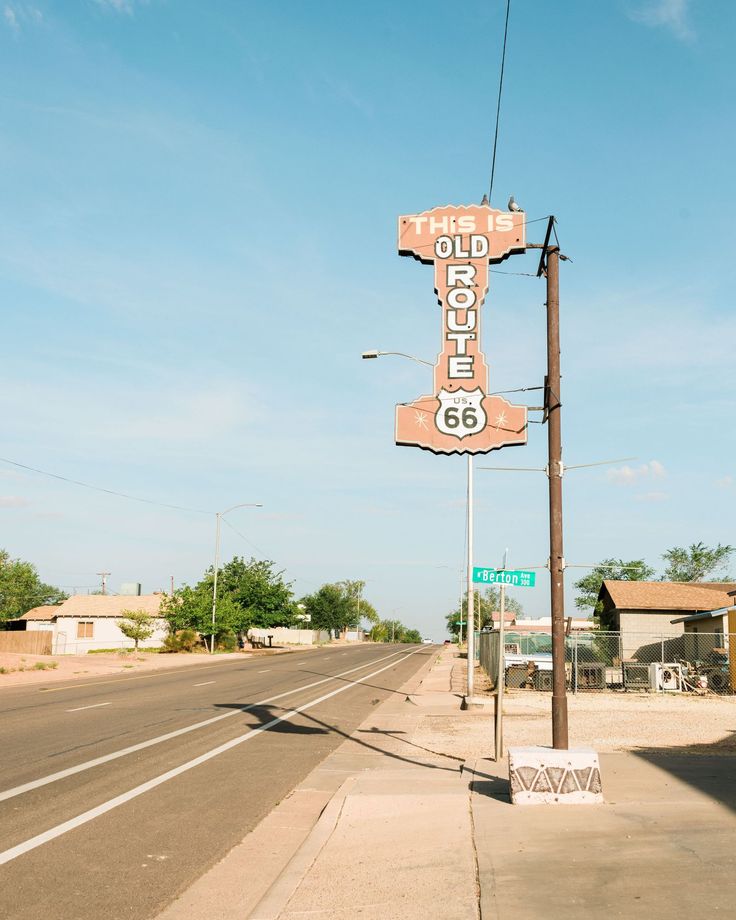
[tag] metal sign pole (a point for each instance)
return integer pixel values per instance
(501, 673)
(470, 619)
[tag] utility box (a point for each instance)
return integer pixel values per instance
(591, 676)
(635, 675)
(665, 677)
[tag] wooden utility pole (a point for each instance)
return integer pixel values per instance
(103, 576)
(554, 473)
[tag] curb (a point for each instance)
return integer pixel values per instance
(281, 891)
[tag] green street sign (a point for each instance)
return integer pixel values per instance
(513, 578)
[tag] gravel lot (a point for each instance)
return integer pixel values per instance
(612, 721)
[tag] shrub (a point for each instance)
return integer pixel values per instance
(183, 640)
(227, 642)
(45, 665)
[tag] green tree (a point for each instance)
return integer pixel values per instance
(136, 625)
(412, 635)
(21, 589)
(249, 594)
(259, 590)
(489, 603)
(589, 585)
(697, 562)
(393, 631)
(360, 608)
(329, 607)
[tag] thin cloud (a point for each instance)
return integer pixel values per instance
(672, 15)
(652, 497)
(629, 475)
(13, 501)
(123, 7)
(725, 482)
(117, 6)
(11, 18)
(17, 15)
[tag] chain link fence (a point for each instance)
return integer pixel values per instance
(691, 662)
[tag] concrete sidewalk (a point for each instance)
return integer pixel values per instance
(404, 821)
(397, 841)
(664, 843)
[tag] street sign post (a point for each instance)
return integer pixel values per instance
(514, 578)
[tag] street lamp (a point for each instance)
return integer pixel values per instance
(379, 354)
(219, 515)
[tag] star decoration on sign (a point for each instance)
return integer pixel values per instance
(421, 419)
(501, 420)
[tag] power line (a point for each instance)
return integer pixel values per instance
(243, 537)
(86, 485)
(498, 105)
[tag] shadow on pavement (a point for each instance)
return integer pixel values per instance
(267, 714)
(394, 734)
(486, 782)
(350, 680)
(709, 768)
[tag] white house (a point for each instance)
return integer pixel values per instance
(90, 621)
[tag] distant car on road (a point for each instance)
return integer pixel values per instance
(427, 641)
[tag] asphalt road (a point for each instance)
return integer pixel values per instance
(117, 793)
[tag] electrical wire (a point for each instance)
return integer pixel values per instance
(86, 485)
(243, 537)
(498, 104)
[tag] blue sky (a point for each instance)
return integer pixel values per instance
(197, 241)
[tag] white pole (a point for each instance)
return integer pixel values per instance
(214, 583)
(471, 598)
(501, 665)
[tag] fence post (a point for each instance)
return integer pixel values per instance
(575, 664)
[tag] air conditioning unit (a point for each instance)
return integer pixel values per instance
(635, 675)
(665, 676)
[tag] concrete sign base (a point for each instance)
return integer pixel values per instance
(544, 776)
(477, 702)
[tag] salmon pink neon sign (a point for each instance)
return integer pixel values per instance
(460, 417)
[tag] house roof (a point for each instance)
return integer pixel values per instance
(47, 612)
(108, 605)
(667, 595)
(703, 615)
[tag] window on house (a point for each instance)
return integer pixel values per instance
(85, 630)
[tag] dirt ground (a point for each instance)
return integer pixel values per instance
(21, 669)
(605, 721)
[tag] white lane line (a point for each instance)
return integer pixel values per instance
(86, 816)
(93, 706)
(205, 682)
(106, 758)
(265, 672)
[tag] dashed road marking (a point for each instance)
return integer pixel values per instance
(93, 706)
